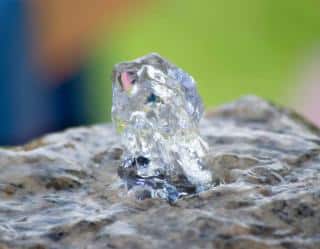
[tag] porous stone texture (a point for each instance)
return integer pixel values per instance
(62, 191)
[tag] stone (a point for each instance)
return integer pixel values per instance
(62, 190)
(156, 108)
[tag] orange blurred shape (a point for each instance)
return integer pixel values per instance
(64, 29)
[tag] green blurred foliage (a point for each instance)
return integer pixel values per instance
(232, 48)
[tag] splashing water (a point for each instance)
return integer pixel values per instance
(156, 109)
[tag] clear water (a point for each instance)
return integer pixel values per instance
(156, 109)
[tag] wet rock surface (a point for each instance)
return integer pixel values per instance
(62, 191)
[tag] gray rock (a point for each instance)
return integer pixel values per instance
(62, 191)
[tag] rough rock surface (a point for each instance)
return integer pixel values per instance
(62, 191)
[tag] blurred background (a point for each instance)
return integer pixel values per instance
(56, 55)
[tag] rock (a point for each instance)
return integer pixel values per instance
(62, 191)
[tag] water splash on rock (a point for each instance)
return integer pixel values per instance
(156, 108)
